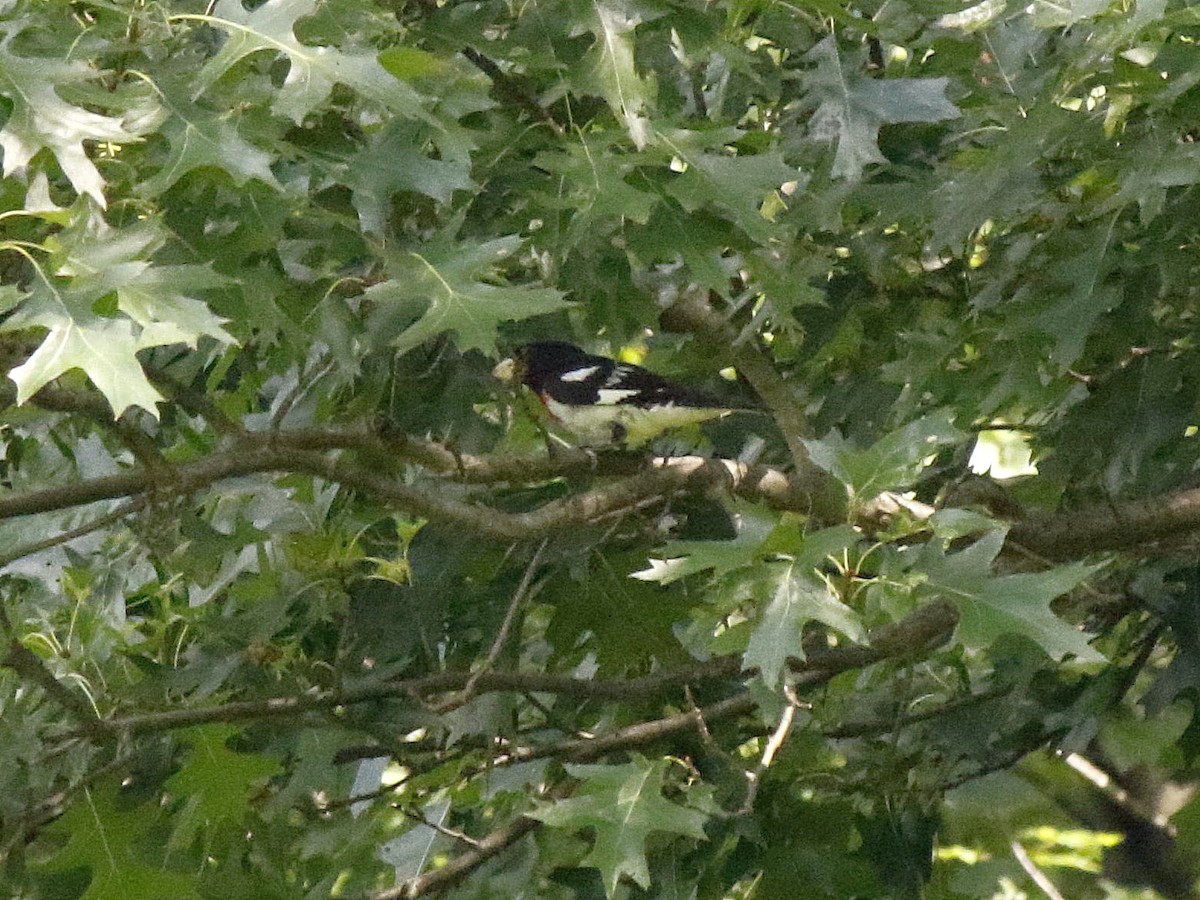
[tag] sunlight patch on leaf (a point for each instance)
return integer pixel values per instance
(1002, 453)
(973, 18)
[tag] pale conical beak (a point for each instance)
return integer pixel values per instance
(506, 370)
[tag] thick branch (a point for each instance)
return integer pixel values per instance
(1101, 528)
(1109, 526)
(267, 453)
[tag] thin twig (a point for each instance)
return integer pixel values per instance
(774, 744)
(701, 725)
(895, 723)
(463, 865)
(511, 89)
(518, 599)
(440, 829)
(125, 509)
(304, 383)
(1031, 869)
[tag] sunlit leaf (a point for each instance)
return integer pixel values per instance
(991, 606)
(41, 119)
(622, 805)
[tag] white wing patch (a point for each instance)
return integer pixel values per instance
(579, 374)
(612, 396)
(617, 375)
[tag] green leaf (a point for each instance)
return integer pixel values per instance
(1009, 604)
(610, 66)
(891, 463)
(40, 119)
(447, 277)
(157, 297)
(597, 189)
(623, 805)
(105, 349)
(117, 840)
(953, 523)
(197, 137)
(411, 63)
(850, 108)
(679, 559)
(626, 624)
(152, 308)
(313, 71)
(395, 160)
(973, 18)
(796, 600)
(1071, 317)
(735, 185)
(215, 782)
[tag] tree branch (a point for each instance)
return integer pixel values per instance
(923, 629)
(1110, 526)
(267, 453)
(693, 313)
(1060, 536)
(487, 682)
(125, 509)
(29, 666)
(463, 864)
(510, 89)
(915, 635)
(518, 599)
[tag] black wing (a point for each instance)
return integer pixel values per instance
(565, 373)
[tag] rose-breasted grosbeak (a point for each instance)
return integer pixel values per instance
(601, 401)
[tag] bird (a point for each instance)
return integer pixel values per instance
(602, 402)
